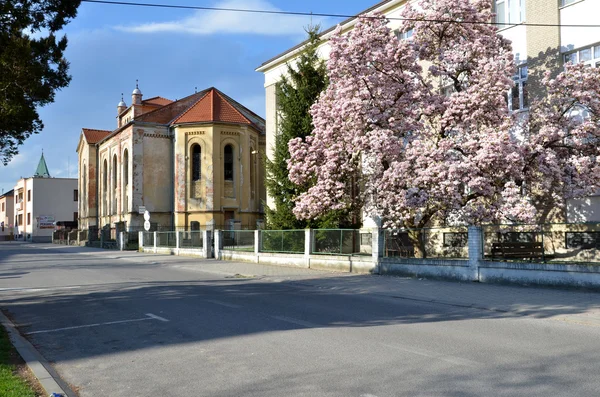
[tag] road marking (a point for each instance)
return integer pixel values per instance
(230, 305)
(425, 353)
(295, 321)
(27, 289)
(154, 316)
(149, 316)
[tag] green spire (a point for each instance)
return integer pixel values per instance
(42, 169)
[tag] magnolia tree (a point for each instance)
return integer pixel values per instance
(418, 131)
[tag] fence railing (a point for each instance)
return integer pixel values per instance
(549, 243)
(447, 243)
(339, 241)
(282, 241)
(238, 240)
(190, 239)
(166, 239)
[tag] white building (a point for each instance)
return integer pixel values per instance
(40, 201)
(536, 48)
(6, 215)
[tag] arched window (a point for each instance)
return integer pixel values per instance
(105, 187)
(228, 163)
(114, 172)
(114, 184)
(125, 177)
(253, 155)
(196, 168)
(83, 201)
(126, 168)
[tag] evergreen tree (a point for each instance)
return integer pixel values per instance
(32, 65)
(296, 93)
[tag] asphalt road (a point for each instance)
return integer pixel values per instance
(128, 324)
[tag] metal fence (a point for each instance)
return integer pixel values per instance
(238, 240)
(340, 241)
(447, 243)
(166, 239)
(282, 241)
(190, 239)
(549, 242)
(148, 239)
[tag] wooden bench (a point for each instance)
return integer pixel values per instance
(510, 250)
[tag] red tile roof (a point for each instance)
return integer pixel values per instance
(212, 107)
(94, 136)
(209, 105)
(157, 100)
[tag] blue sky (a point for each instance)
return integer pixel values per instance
(170, 51)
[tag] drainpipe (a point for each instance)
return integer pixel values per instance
(96, 190)
(172, 191)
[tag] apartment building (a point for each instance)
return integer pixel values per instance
(6, 215)
(544, 35)
(40, 201)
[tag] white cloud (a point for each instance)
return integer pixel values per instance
(211, 22)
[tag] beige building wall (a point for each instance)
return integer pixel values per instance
(212, 199)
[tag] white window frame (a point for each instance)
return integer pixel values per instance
(516, 16)
(576, 56)
(520, 80)
(404, 35)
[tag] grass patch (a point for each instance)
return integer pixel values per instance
(12, 383)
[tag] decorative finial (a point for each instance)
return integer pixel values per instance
(122, 97)
(195, 89)
(136, 83)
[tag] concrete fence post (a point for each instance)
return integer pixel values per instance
(121, 241)
(141, 241)
(154, 242)
(308, 234)
(177, 242)
(256, 244)
(475, 251)
(218, 244)
(377, 248)
(206, 244)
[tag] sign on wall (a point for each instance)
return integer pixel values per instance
(46, 222)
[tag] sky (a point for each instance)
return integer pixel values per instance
(170, 52)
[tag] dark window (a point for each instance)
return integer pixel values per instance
(75, 216)
(126, 168)
(29, 218)
(195, 225)
(2, 206)
(196, 155)
(517, 237)
(75, 195)
(114, 173)
(228, 163)
(456, 239)
(584, 240)
(29, 195)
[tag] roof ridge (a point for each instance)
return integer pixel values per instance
(95, 129)
(180, 115)
(226, 99)
(163, 107)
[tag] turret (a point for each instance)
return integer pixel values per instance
(136, 95)
(121, 106)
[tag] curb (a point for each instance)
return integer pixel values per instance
(41, 369)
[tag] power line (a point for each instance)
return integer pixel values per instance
(253, 11)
